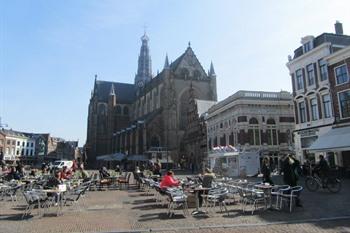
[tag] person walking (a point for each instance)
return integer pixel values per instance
(291, 169)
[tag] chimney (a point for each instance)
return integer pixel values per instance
(338, 28)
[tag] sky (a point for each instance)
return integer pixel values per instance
(50, 50)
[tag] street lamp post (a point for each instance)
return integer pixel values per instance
(113, 141)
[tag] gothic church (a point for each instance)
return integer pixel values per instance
(150, 115)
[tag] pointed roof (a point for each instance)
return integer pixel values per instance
(125, 92)
(188, 53)
(144, 68)
(112, 92)
(144, 37)
(94, 91)
(211, 71)
(166, 63)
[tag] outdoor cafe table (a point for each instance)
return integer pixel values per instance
(197, 192)
(266, 188)
(60, 195)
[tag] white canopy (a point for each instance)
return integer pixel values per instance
(334, 139)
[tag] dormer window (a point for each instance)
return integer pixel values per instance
(307, 46)
(307, 43)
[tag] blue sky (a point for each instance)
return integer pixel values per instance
(51, 50)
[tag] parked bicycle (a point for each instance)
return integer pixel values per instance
(314, 182)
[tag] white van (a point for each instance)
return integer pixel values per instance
(58, 164)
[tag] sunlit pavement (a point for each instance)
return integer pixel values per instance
(132, 210)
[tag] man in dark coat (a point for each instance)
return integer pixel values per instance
(266, 171)
(291, 167)
(322, 169)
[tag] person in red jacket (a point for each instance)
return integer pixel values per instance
(66, 174)
(169, 180)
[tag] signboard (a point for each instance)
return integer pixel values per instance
(235, 164)
(249, 163)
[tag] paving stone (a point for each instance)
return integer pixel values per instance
(123, 211)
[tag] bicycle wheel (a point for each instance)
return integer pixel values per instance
(311, 184)
(333, 185)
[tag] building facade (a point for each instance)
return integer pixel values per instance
(335, 144)
(60, 149)
(253, 121)
(195, 138)
(17, 145)
(33, 148)
(312, 95)
(149, 115)
(2, 145)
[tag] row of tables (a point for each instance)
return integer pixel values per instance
(56, 194)
(265, 188)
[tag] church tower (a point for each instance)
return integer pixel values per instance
(144, 70)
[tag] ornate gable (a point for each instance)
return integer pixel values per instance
(187, 66)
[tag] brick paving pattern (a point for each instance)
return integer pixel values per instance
(132, 210)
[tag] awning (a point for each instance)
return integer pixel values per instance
(334, 139)
(112, 157)
(138, 158)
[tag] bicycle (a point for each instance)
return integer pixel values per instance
(314, 182)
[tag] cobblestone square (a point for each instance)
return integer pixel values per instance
(134, 211)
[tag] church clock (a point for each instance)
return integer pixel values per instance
(140, 84)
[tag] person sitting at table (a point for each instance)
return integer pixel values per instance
(169, 180)
(117, 169)
(156, 168)
(104, 173)
(52, 183)
(20, 170)
(65, 174)
(53, 180)
(13, 174)
(44, 169)
(83, 173)
(207, 181)
(208, 178)
(33, 172)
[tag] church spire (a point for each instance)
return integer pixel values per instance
(112, 91)
(144, 70)
(211, 71)
(166, 63)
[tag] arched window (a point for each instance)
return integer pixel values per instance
(118, 110)
(154, 100)
(143, 107)
(223, 140)
(197, 74)
(126, 110)
(271, 132)
(270, 121)
(254, 132)
(102, 110)
(148, 105)
(184, 73)
(253, 121)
